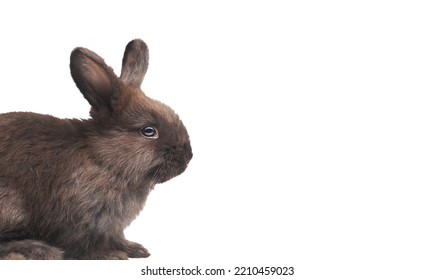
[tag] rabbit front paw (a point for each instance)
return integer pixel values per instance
(135, 250)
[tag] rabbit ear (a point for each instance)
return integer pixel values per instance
(94, 78)
(134, 63)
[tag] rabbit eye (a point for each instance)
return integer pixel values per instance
(149, 132)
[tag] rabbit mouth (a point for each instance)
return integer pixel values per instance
(172, 166)
(167, 171)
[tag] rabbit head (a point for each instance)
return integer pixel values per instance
(140, 137)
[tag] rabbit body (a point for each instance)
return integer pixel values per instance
(68, 187)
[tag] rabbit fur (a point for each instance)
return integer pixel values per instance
(69, 187)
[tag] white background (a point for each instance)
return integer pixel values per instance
(312, 125)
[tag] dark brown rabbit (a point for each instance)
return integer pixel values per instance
(68, 187)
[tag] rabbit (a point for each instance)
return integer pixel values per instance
(69, 187)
